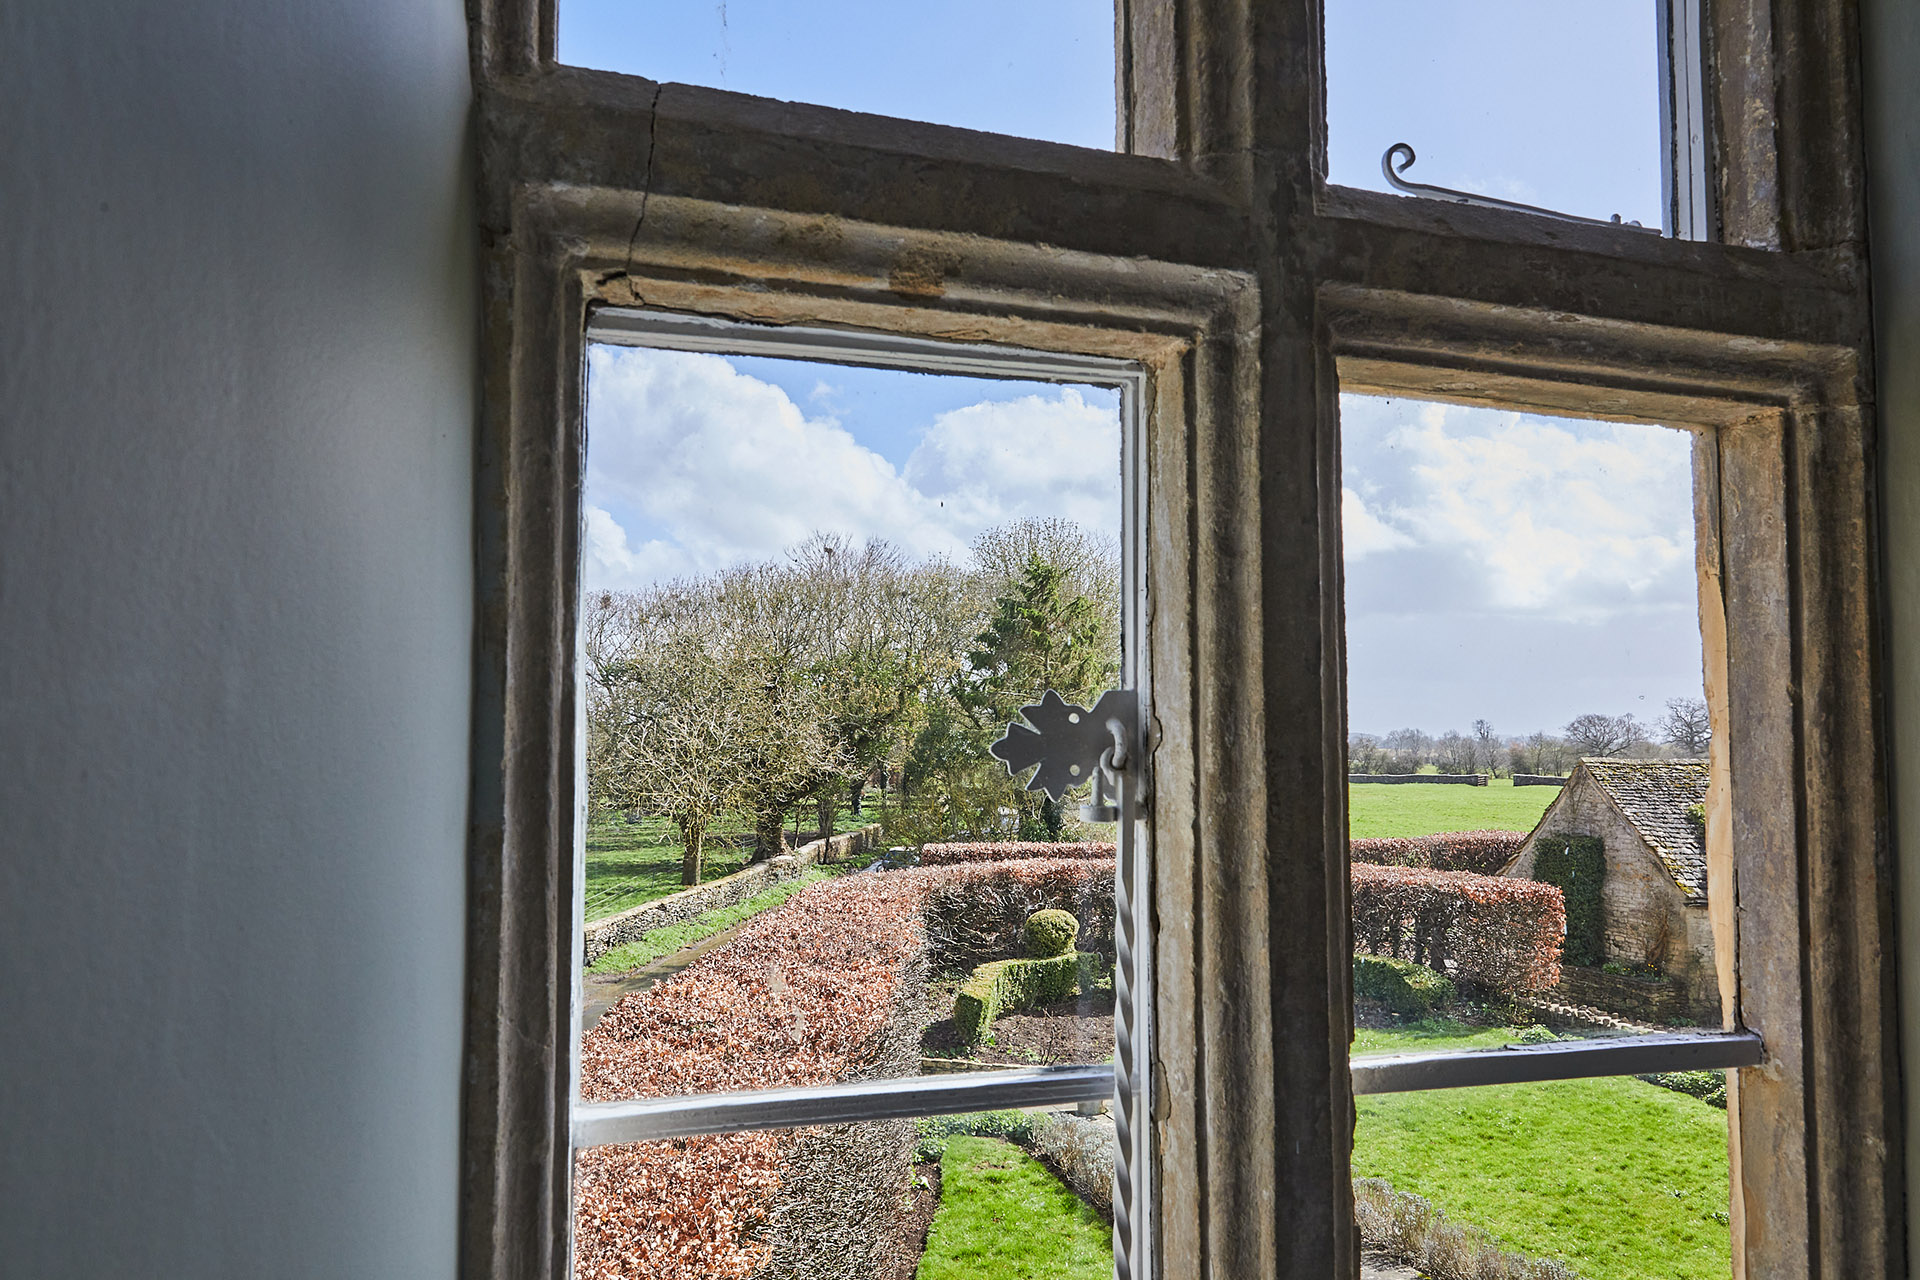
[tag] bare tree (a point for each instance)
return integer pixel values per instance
(1594, 734)
(1686, 725)
(1364, 754)
(664, 727)
(1537, 753)
(1408, 749)
(773, 622)
(1486, 746)
(1455, 752)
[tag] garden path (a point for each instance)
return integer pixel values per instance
(599, 994)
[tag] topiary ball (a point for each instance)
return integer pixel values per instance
(1051, 933)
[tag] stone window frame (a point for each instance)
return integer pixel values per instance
(1211, 250)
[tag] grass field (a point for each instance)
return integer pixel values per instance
(1003, 1215)
(1425, 809)
(628, 864)
(1618, 1179)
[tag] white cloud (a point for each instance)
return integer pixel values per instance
(1362, 532)
(714, 466)
(1052, 454)
(1547, 516)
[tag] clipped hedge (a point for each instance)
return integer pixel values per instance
(1003, 986)
(1708, 1086)
(1403, 986)
(1493, 932)
(828, 987)
(1577, 866)
(1481, 852)
(831, 986)
(1050, 932)
(946, 855)
(975, 912)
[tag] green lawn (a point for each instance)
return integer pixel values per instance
(1425, 809)
(1430, 1036)
(1618, 1179)
(628, 864)
(1003, 1215)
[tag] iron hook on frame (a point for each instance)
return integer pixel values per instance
(1399, 158)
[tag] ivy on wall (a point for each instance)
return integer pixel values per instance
(1577, 866)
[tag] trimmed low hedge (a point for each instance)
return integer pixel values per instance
(1002, 986)
(1403, 986)
(978, 912)
(1708, 1086)
(1483, 853)
(946, 855)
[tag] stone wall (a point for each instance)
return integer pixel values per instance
(1643, 999)
(630, 925)
(1456, 779)
(1645, 917)
(1539, 780)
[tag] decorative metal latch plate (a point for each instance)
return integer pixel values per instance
(1073, 746)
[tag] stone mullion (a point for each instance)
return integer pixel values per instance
(515, 1145)
(1852, 1067)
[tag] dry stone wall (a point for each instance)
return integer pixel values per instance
(1647, 999)
(634, 923)
(1444, 779)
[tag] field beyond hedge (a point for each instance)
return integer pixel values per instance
(1617, 1178)
(1428, 809)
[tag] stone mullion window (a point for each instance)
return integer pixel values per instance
(1215, 257)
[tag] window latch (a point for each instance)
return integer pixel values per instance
(1399, 158)
(1073, 745)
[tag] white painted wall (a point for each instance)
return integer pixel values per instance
(237, 362)
(1891, 50)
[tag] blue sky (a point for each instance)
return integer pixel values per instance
(1515, 568)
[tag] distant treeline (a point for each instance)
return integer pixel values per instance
(1683, 730)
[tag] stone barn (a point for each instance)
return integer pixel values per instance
(1654, 893)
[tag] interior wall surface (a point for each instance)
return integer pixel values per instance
(237, 385)
(1890, 47)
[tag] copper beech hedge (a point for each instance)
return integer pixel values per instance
(1500, 934)
(1481, 852)
(828, 987)
(945, 855)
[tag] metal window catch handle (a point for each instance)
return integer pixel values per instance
(1074, 745)
(1399, 158)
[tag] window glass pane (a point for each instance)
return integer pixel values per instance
(1031, 70)
(995, 1194)
(1555, 105)
(1611, 1179)
(815, 595)
(1527, 713)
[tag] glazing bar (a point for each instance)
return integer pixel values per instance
(650, 1119)
(1562, 1060)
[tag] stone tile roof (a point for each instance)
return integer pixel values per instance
(1654, 795)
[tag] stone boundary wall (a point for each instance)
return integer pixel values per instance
(630, 925)
(1455, 779)
(1647, 999)
(1538, 780)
